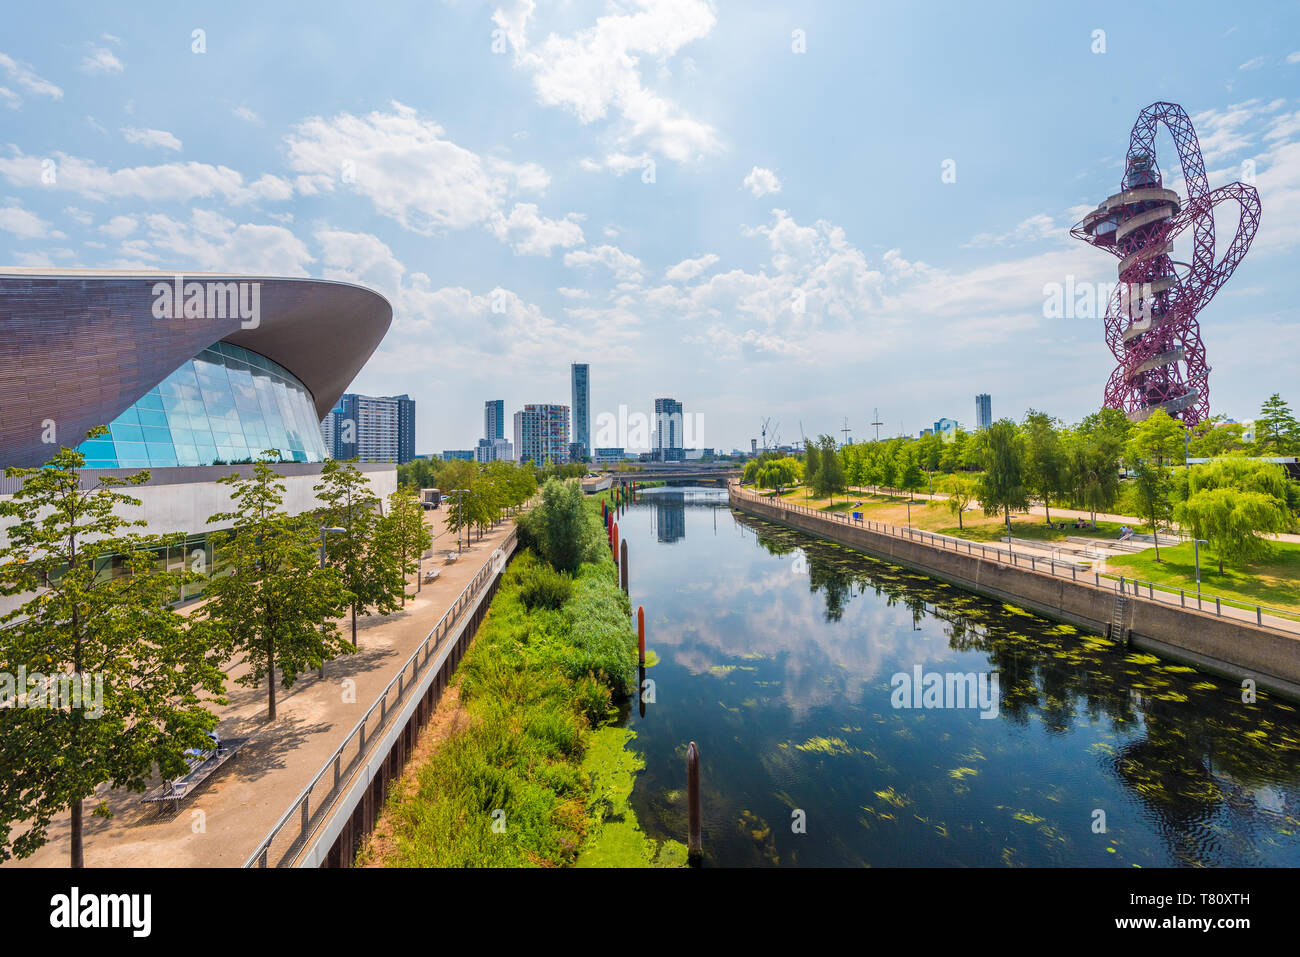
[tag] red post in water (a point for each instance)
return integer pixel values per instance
(615, 542)
(640, 633)
(695, 840)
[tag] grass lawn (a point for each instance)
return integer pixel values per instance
(934, 516)
(1275, 581)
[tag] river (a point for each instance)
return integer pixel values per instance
(783, 656)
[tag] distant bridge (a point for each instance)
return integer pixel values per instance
(705, 475)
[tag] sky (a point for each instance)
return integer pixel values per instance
(802, 212)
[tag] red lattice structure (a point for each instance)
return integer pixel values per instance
(1151, 324)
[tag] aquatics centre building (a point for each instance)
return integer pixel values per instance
(192, 374)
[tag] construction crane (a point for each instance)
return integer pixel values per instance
(765, 423)
(776, 436)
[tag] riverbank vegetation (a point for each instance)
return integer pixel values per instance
(1236, 501)
(536, 770)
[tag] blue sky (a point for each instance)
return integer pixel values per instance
(487, 166)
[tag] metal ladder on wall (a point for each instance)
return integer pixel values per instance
(1116, 629)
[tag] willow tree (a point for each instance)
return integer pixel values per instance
(270, 599)
(102, 679)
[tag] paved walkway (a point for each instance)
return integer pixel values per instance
(226, 818)
(1058, 512)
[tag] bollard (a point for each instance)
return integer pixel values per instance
(622, 567)
(695, 842)
(616, 541)
(640, 633)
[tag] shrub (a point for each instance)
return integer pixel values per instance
(544, 587)
(562, 528)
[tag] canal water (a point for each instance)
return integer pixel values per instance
(783, 657)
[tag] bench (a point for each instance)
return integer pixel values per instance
(201, 766)
(431, 575)
(451, 558)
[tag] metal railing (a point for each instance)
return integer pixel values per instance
(1278, 617)
(317, 800)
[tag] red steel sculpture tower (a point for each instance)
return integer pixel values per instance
(1151, 325)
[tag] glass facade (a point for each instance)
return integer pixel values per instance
(224, 405)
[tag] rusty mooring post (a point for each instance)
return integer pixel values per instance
(695, 842)
(640, 633)
(622, 566)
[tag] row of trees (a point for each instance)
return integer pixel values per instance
(94, 599)
(1104, 463)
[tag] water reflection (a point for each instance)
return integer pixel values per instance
(778, 660)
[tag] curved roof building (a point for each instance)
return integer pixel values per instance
(186, 370)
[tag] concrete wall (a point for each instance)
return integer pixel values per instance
(1224, 646)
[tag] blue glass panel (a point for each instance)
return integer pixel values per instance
(161, 456)
(154, 417)
(125, 433)
(226, 403)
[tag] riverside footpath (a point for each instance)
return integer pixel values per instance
(1250, 642)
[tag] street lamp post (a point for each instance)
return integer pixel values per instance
(460, 512)
(323, 532)
(1197, 543)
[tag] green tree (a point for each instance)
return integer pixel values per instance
(1046, 471)
(1233, 522)
(402, 533)
(1276, 430)
(273, 604)
(564, 530)
(1153, 447)
(1002, 487)
(371, 574)
(811, 463)
(130, 680)
(829, 478)
(961, 491)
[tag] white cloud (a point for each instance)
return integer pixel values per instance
(530, 233)
(624, 266)
(247, 115)
(26, 78)
(9, 98)
(569, 293)
(1035, 229)
(23, 224)
(172, 182)
(762, 181)
(100, 60)
(597, 70)
(159, 138)
(119, 227)
(1293, 57)
(1254, 63)
(213, 243)
(688, 269)
(409, 171)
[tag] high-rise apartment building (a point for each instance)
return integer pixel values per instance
(371, 428)
(983, 410)
(668, 431)
(494, 419)
(498, 450)
(580, 375)
(542, 434)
